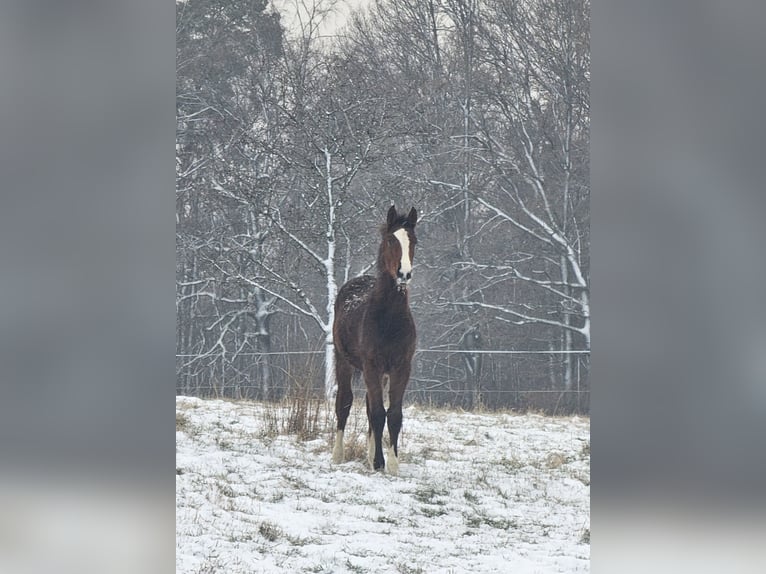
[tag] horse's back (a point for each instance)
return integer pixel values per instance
(353, 294)
(349, 313)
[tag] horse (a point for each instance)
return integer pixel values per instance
(374, 333)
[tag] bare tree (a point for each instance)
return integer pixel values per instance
(333, 128)
(290, 145)
(534, 134)
(226, 55)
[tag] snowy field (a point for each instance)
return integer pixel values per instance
(492, 492)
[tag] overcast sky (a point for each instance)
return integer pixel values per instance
(289, 10)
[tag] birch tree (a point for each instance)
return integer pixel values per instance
(333, 127)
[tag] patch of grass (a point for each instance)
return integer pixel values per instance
(271, 418)
(387, 519)
(585, 538)
(512, 464)
(404, 568)
(476, 520)
(224, 443)
(482, 477)
(473, 521)
(278, 497)
(270, 531)
(241, 537)
(500, 523)
(296, 482)
(471, 497)
(182, 422)
(429, 493)
(210, 566)
(430, 453)
(555, 460)
(431, 497)
(583, 477)
(303, 409)
(354, 445)
(226, 490)
(300, 540)
(298, 413)
(505, 495)
(354, 568)
(431, 511)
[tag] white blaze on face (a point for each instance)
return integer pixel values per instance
(404, 241)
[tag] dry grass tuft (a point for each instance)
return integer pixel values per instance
(585, 538)
(300, 413)
(555, 460)
(182, 422)
(356, 446)
(270, 531)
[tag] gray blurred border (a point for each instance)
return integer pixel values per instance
(86, 288)
(679, 269)
(87, 253)
(87, 244)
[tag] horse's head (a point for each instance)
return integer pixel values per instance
(397, 250)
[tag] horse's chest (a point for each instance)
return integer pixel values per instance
(390, 331)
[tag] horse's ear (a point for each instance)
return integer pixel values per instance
(391, 219)
(412, 217)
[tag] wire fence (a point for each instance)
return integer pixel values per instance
(548, 381)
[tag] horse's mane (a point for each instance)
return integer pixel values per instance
(401, 221)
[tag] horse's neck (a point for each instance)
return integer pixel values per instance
(387, 292)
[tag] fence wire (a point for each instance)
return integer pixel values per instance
(550, 381)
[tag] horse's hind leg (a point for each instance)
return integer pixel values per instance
(343, 400)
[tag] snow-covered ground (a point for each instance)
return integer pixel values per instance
(491, 492)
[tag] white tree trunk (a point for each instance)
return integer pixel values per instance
(567, 332)
(332, 286)
(329, 369)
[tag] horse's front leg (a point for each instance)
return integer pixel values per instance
(376, 417)
(398, 384)
(394, 418)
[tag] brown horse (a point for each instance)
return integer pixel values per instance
(374, 333)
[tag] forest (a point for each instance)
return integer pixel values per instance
(291, 145)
